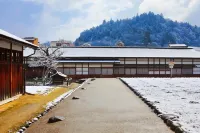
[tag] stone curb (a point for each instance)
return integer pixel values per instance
(173, 126)
(48, 108)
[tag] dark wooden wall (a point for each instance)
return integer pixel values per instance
(11, 73)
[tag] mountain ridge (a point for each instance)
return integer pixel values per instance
(146, 30)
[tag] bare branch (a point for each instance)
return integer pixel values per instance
(48, 60)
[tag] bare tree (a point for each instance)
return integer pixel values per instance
(47, 58)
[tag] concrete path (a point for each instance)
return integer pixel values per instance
(106, 106)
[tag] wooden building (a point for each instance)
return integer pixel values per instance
(11, 65)
(59, 78)
(85, 62)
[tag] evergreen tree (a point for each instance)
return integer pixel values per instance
(141, 30)
(147, 38)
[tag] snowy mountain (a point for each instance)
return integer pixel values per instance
(148, 29)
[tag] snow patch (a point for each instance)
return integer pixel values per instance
(62, 75)
(178, 97)
(41, 90)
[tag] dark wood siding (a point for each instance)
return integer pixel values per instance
(11, 73)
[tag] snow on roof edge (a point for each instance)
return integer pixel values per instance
(178, 45)
(61, 74)
(7, 34)
(128, 52)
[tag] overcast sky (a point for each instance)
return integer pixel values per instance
(65, 19)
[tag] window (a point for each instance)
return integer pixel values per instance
(130, 71)
(118, 70)
(78, 71)
(142, 71)
(196, 71)
(107, 71)
(85, 71)
(94, 71)
(176, 71)
(69, 71)
(187, 71)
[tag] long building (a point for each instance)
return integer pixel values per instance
(85, 62)
(11, 65)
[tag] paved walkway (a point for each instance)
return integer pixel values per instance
(106, 106)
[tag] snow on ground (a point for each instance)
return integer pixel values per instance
(177, 96)
(38, 89)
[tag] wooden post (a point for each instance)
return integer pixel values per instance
(82, 68)
(63, 67)
(159, 67)
(165, 67)
(124, 65)
(136, 67)
(192, 67)
(23, 73)
(10, 69)
(171, 72)
(101, 71)
(181, 67)
(148, 68)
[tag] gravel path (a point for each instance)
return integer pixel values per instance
(106, 106)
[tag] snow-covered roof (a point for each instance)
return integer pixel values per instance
(61, 74)
(178, 45)
(196, 48)
(27, 52)
(9, 35)
(91, 61)
(127, 52)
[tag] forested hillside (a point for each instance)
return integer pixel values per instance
(147, 29)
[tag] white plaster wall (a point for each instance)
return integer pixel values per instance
(17, 47)
(4, 44)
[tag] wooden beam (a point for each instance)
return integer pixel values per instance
(10, 69)
(124, 65)
(23, 72)
(63, 67)
(181, 67)
(136, 67)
